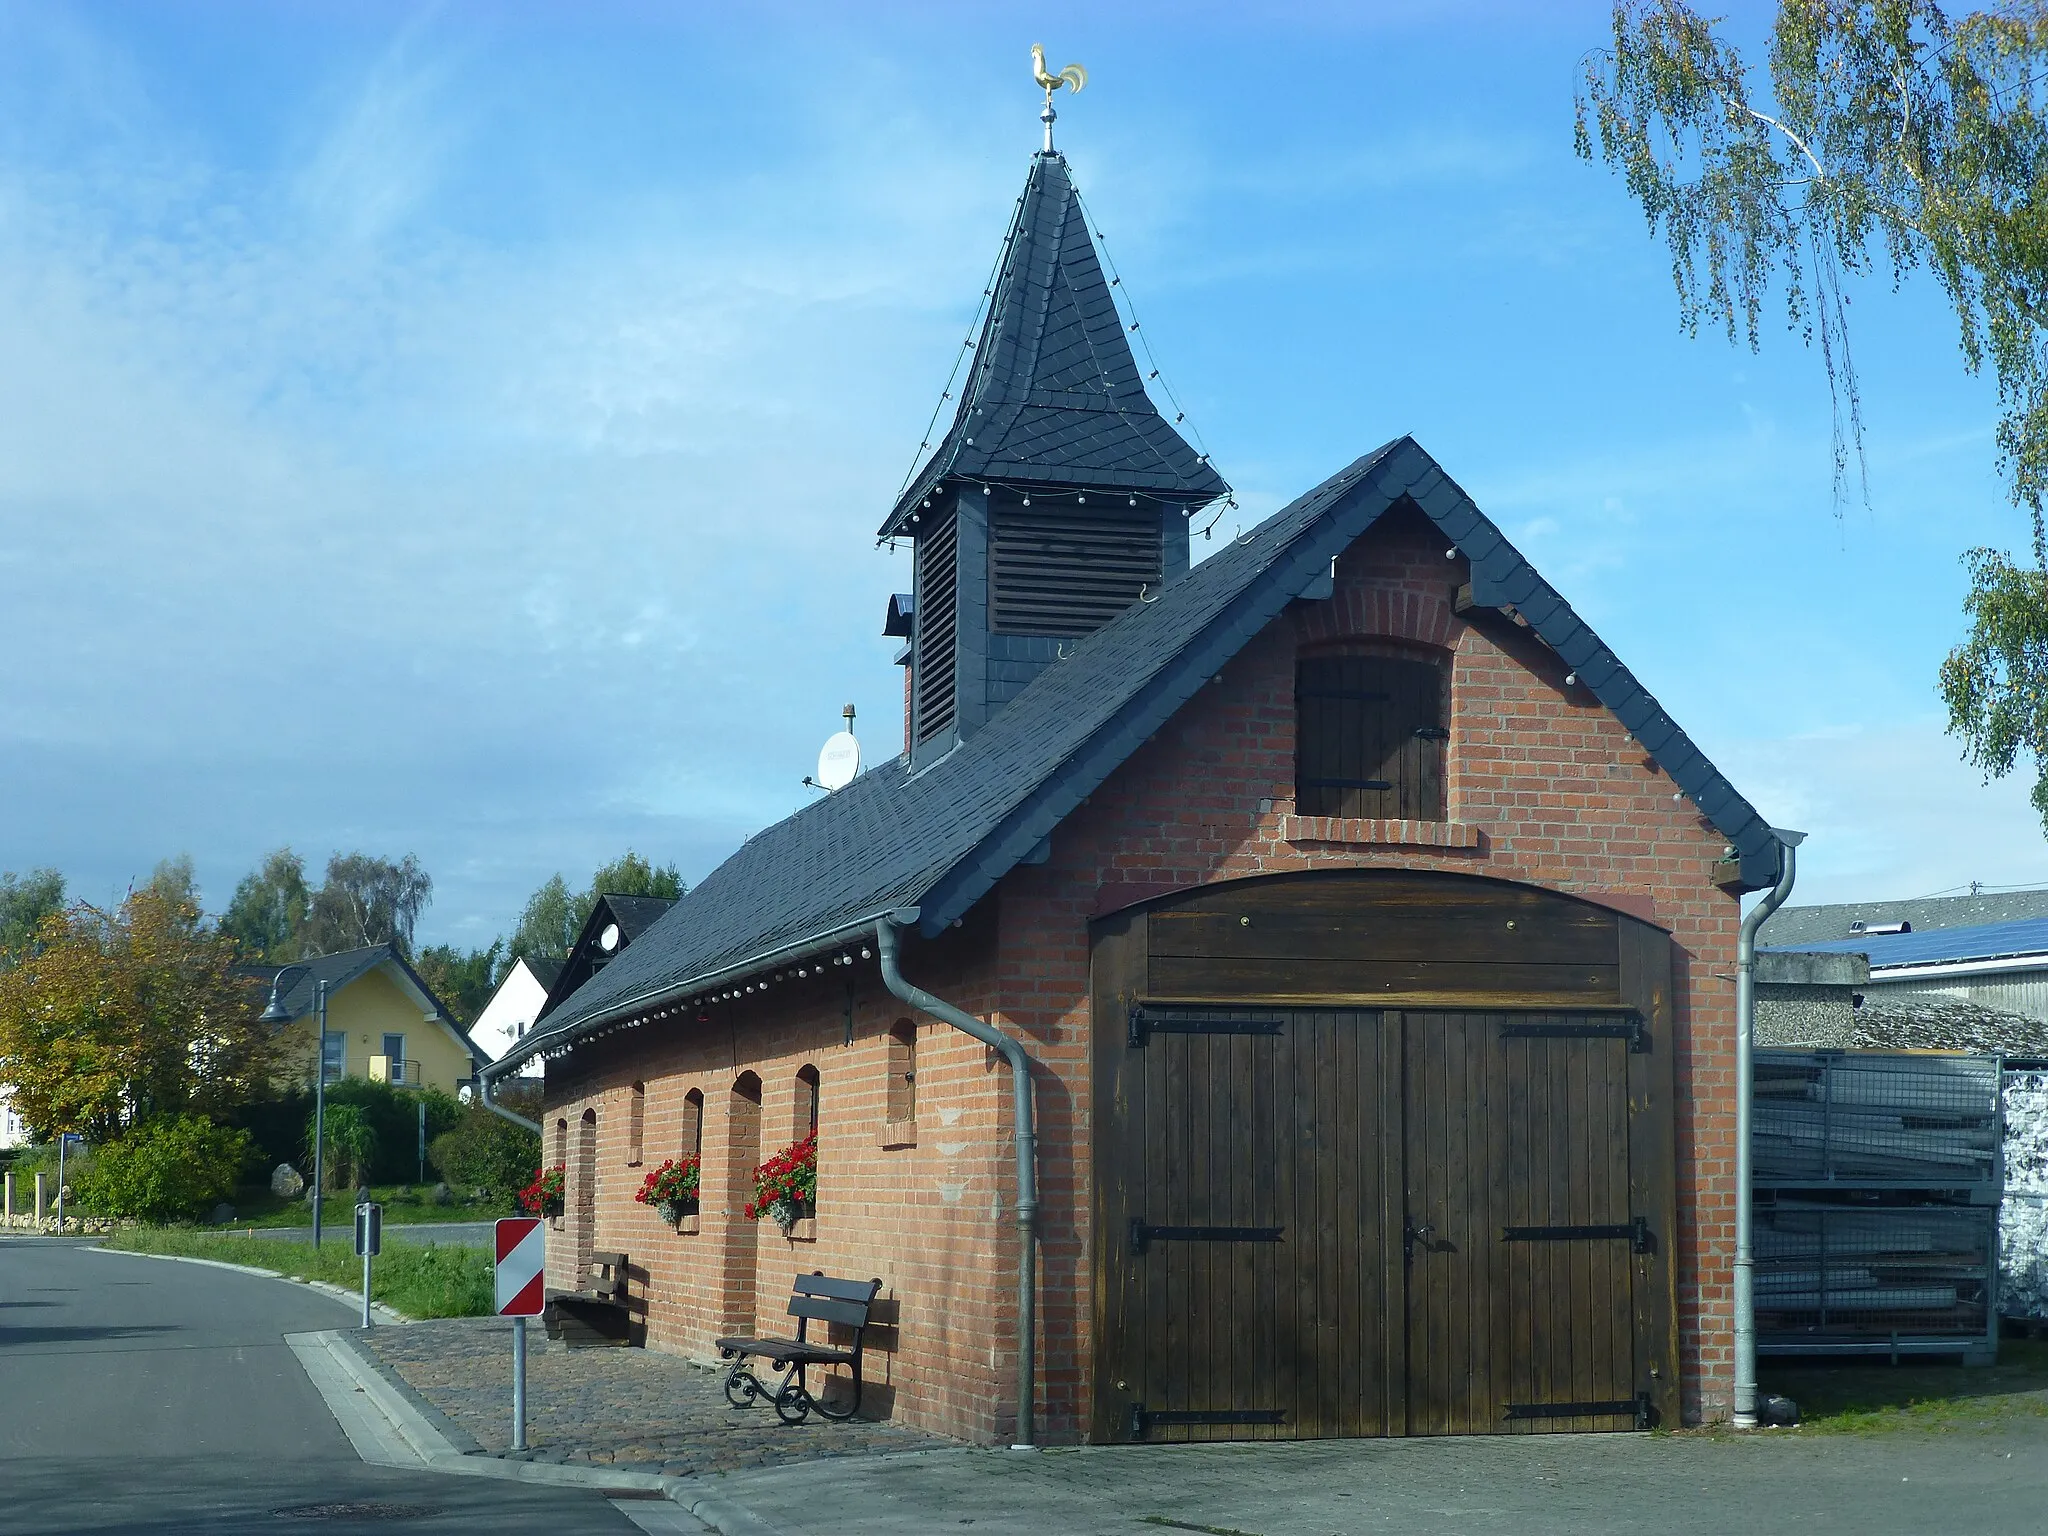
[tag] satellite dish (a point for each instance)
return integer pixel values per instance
(839, 762)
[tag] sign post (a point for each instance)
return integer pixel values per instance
(369, 1241)
(520, 1293)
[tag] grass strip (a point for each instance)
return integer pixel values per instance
(404, 1205)
(418, 1279)
(1862, 1396)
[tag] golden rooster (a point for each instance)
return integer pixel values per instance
(1073, 76)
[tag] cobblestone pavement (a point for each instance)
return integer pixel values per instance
(635, 1409)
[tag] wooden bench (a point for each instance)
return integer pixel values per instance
(597, 1314)
(816, 1297)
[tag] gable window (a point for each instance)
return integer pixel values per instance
(394, 1058)
(1370, 736)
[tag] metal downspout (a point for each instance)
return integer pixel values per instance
(484, 1078)
(1027, 1157)
(1745, 1045)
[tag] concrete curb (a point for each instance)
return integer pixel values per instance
(406, 1437)
(353, 1298)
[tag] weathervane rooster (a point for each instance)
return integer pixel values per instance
(1073, 76)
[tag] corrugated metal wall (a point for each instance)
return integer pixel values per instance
(2022, 992)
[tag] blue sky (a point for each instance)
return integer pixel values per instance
(460, 430)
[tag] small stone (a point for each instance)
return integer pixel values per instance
(441, 1194)
(285, 1182)
(221, 1215)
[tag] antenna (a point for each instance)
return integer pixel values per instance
(839, 761)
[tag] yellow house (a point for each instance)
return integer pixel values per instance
(383, 1022)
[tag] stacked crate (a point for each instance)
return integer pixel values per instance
(1876, 1178)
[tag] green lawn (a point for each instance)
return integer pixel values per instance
(1870, 1394)
(417, 1279)
(404, 1205)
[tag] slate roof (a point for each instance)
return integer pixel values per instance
(636, 914)
(341, 969)
(1054, 396)
(940, 838)
(1943, 946)
(1806, 926)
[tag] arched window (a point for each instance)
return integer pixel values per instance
(806, 1121)
(1370, 729)
(902, 1089)
(636, 1126)
(693, 1123)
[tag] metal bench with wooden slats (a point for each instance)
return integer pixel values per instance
(816, 1297)
(596, 1314)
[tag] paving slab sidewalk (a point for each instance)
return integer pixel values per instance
(631, 1409)
(1991, 1482)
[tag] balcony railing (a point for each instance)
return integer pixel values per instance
(404, 1071)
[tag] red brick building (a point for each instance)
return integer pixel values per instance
(1364, 928)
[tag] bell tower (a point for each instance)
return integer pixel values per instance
(1059, 495)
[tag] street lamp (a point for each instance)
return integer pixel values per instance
(276, 1013)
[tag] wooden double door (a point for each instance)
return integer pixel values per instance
(1380, 1221)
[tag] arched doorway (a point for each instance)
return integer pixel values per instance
(1381, 1152)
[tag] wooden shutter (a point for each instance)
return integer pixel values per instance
(937, 617)
(1069, 569)
(1370, 737)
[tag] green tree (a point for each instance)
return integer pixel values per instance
(1882, 135)
(111, 1018)
(270, 908)
(463, 979)
(549, 924)
(554, 915)
(25, 900)
(633, 876)
(366, 901)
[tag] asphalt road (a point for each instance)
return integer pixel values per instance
(140, 1395)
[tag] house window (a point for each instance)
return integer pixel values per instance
(1370, 735)
(393, 1049)
(334, 1050)
(636, 1126)
(902, 1090)
(806, 1123)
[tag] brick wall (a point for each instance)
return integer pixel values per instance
(1543, 787)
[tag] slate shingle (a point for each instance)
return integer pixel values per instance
(1054, 396)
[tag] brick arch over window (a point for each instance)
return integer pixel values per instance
(1360, 611)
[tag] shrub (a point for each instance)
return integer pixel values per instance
(351, 1142)
(166, 1169)
(487, 1154)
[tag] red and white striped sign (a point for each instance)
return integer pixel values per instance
(522, 1265)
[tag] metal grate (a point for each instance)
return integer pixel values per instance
(1875, 1120)
(1846, 1273)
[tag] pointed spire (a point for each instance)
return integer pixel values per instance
(1055, 398)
